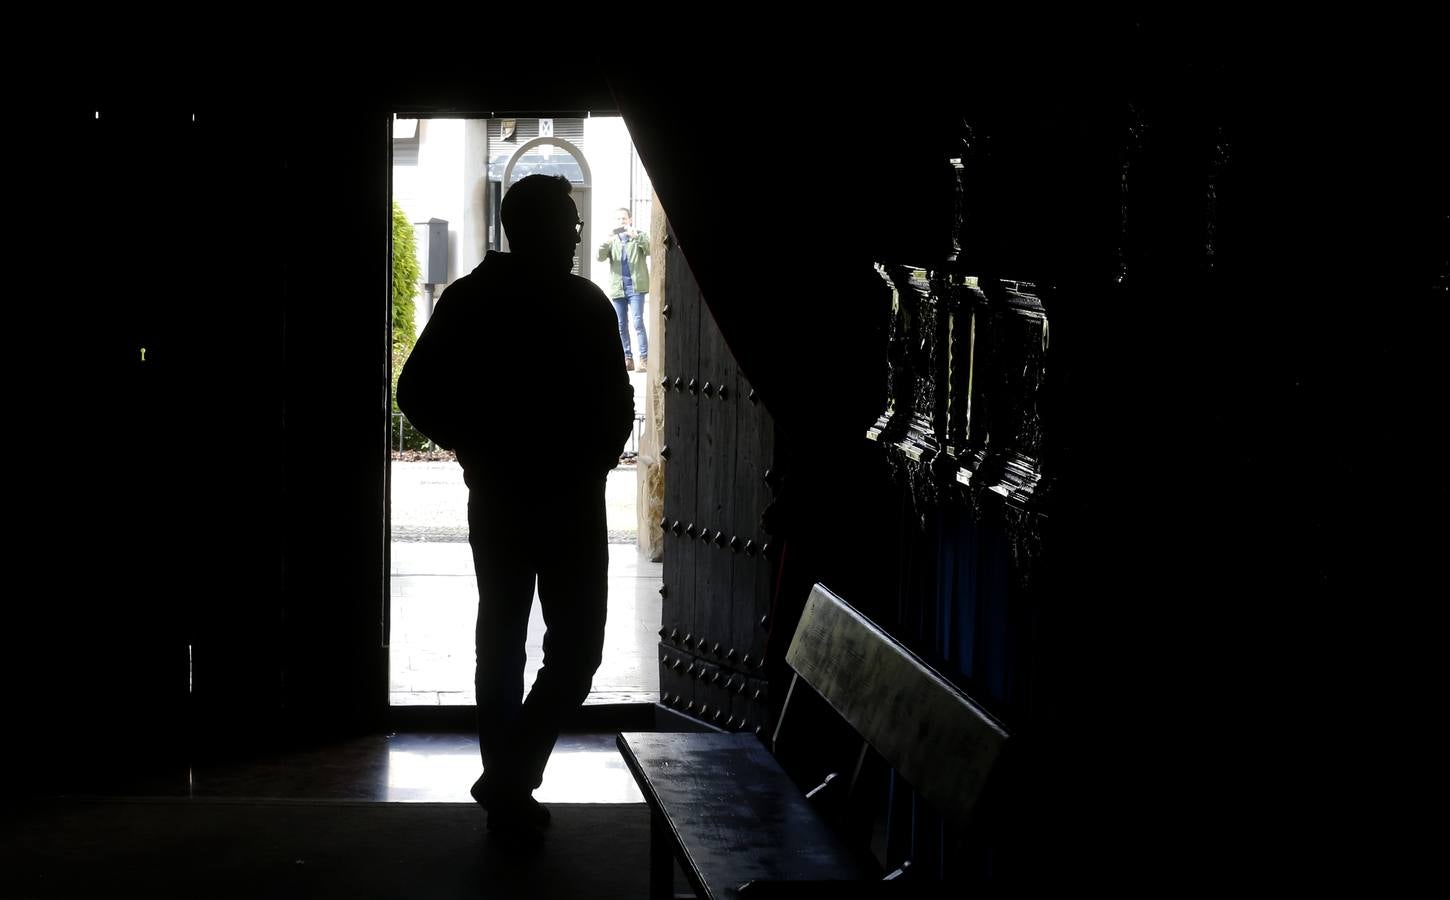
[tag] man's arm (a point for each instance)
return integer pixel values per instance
(603, 252)
(429, 384)
(643, 242)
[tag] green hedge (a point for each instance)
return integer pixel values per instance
(406, 273)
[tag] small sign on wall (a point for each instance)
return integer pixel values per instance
(546, 128)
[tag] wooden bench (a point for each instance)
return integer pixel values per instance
(737, 823)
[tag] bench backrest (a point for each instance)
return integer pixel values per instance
(921, 724)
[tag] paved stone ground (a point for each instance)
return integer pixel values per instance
(435, 595)
(435, 604)
(430, 503)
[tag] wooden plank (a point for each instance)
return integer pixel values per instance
(757, 696)
(734, 815)
(712, 704)
(753, 571)
(682, 332)
(743, 513)
(924, 727)
(714, 582)
(763, 431)
(745, 525)
(675, 479)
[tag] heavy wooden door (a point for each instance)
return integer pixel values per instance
(718, 447)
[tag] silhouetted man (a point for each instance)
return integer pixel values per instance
(520, 372)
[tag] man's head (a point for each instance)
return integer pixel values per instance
(621, 218)
(541, 221)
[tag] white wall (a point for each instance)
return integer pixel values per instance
(435, 187)
(473, 224)
(447, 183)
(607, 147)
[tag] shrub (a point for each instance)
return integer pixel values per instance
(406, 273)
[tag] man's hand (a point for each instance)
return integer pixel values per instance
(625, 399)
(622, 416)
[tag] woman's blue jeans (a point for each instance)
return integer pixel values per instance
(635, 308)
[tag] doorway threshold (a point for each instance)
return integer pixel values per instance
(600, 713)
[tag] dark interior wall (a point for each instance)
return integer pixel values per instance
(214, 512)
(1241, 228)
(152, 510)
(1249, 496)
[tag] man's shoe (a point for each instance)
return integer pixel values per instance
(517, 823)
(628, 364)
(513, 808)
(643, 365)
(533, 811)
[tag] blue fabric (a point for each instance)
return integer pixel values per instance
(634, 307)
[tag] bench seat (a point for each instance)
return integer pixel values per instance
(732, 814)
(725, 809)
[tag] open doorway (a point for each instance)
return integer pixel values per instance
(449, 176)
